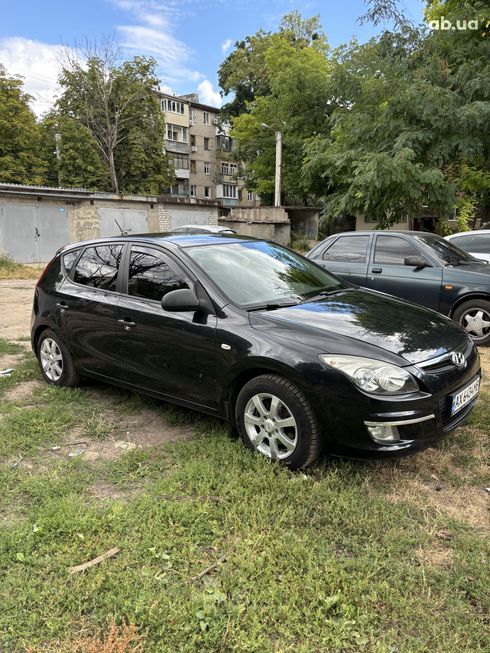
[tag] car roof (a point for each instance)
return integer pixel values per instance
(179, 240)
(469, 233)
(385, 232)
(211, 228)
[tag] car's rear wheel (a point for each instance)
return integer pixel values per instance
(474, 316)
(275, 419)
(56, 362)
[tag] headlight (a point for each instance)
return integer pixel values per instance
(376, 377)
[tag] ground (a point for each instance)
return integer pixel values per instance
(219, 550)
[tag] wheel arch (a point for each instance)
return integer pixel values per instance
(243, 376)
(468, 298)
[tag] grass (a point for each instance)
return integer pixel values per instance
(221, 550)
(11, 270)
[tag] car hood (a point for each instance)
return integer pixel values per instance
(478, 273)
(363, 322)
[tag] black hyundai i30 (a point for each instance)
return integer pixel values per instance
(295, 359)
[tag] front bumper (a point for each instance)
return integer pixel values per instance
(357, 425)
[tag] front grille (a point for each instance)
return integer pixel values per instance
(436, 367)
(444, 363)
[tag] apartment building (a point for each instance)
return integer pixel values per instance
(202, 153)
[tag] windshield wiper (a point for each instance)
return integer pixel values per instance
(324, 293)
(272, 306)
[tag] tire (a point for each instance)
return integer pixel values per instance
(55, 361)
(474, 316)
(274, 418)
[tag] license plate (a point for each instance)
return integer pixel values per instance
(465, 396)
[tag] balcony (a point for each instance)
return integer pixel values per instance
(221, 178)
(182, 173)
(177, 146)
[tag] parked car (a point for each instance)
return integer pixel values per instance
(293, 357)
(476, 243)
(419, 267)
(201, 229)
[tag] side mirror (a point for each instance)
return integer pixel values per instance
(183, 300)
(416, 262)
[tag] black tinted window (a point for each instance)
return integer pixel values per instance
(348, 248)
(150, 276)
(98, 267)
(473, 243)
(69, 259)
(393, 250)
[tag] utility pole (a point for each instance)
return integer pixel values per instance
(277, 178)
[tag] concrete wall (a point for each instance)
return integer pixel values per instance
(79, 218)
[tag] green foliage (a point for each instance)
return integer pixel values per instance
(20, 137)
(79, 163)
(115, 103)
(466, 213)
(296, 103)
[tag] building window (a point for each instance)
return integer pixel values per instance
(206, 143)
(225, 168)
(193, 166)
(207, 191)
(224, 143)
(250, 196)
(180, 188)
(207, 168)
(205, 117)
(193, 190)
(180, 161)
(173, 106)
(176, 133)
(229, 191)
(192, 115)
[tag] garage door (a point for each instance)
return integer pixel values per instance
(33, 233)
(115, 221)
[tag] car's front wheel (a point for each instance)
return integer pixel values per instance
(474, 316)
(274, 418)
(56, 362)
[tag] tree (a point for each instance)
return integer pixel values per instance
(72, 155)
(245, 72)
(292, 97)
(116, 103)
(20, 137)
(411, 114)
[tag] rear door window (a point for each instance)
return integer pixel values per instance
(69, 259)
(151, 275)
(392, 250)
(351, 249)
(98, 267)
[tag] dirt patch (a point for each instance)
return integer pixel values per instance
(10, 360)
(15, 308)
(436, 556)
(21, 391)
(105, 491)
(469, 505)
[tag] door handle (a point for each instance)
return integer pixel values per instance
(127, 323)
(62, 305)
(377, 270)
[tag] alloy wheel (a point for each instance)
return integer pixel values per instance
(476, 321)
(271, 426)
(51, 359)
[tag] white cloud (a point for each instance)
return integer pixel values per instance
(225, 46)
(39, 63)
(208, 95)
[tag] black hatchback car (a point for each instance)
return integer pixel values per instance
(421, 267)
(293, 357)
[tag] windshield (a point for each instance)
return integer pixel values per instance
(448, 253)
(260, 274)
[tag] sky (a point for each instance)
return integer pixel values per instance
(188, 38)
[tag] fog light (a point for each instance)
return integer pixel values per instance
(383, 433)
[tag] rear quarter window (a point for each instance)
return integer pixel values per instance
(69, 260)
